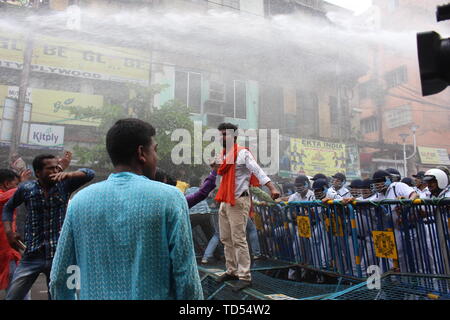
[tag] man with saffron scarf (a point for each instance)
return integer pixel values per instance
(239, 171)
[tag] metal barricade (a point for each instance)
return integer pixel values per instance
(402, 235)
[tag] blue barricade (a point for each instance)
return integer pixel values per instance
(402, 235)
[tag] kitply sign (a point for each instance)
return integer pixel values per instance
(47, 136)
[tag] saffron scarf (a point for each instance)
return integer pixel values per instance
(228, 172)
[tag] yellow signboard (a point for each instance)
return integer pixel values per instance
(50, 106)
(338, 230)
(433, 156)
(385, 246)
(313, 156)
(258, 222)
(76, 59)
(304, 227)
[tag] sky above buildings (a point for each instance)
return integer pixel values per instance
(358, 6)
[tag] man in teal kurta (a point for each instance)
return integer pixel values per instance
(130, 237)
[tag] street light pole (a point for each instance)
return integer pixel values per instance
(24, 79)
(405, 158)
(404, 136)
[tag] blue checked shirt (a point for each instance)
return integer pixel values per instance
(44, 217)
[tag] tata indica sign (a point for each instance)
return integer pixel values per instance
(47, 136)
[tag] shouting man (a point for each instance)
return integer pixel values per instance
(239, 171)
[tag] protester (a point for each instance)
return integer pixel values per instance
(129, 236)
(9, 257)
(252, 233)
(46, 202)
(239, 171)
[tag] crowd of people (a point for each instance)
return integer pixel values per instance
(384, 185)
(130, 236)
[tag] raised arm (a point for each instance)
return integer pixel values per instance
(208, 185)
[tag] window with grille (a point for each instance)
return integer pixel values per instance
(369, 125)
(396, 77)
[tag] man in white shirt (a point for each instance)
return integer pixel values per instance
(337, 185)
(239, 171)
(421, 186)
(303, 191)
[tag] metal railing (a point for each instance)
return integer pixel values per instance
(403, 235)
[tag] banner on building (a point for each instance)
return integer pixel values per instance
(433, 156)
(352, 167)
(285, 157)
(313, 156)
(76, 59)
(46, 136)
(51, 106)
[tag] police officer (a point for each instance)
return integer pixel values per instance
(319, 176)
(386, 188)
(395, 174)
(355, 188)
(322, 191)
(438, 183)
(409, 182)
(302, 188)
(366, 190)
(337, 182)
(421, 186)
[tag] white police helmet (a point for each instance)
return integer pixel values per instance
(440, 176)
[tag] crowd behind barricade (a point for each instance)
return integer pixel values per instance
(141, 233)
(348, 223)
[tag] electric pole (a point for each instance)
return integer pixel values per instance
(24, 80)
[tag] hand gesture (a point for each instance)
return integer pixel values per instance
(60, 176)
(214, 165)
(64, 162)
(25, 175)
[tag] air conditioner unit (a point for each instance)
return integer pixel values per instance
(213, 120)
(213, 107)
(216, 91)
